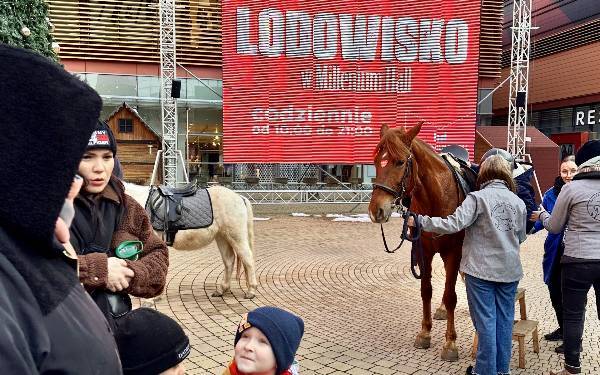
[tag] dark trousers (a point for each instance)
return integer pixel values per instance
(577, 279)
(555, 289)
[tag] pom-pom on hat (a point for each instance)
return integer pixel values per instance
(283, 329)
(102, 137)
(150, 342)
(589, 150)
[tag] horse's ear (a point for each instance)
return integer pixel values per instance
(383, 129)
(412, 132)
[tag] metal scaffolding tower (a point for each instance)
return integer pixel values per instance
(168, 66)
(519, 76)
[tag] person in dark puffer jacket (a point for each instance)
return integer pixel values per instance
(48, 323)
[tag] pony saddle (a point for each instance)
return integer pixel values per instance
(463, 174)
(171, 209)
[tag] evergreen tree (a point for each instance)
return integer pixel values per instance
(25, 24)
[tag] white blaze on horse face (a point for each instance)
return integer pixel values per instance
(383, 161)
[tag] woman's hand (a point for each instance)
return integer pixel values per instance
(119, 275)
(61, 230)
(535, 216)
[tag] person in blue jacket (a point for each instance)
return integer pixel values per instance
(554, 247)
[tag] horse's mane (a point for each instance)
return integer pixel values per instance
(393, 142)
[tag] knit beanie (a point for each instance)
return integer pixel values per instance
(103, 137)
(283, 329)
(150, 342)
(590, 149)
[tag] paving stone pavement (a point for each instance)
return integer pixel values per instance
(361, 306)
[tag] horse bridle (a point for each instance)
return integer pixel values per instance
(398, 194)
(417, 252)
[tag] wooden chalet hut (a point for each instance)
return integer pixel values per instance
(137, 144)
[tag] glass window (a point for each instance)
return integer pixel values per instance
(485, 107)
(125, 125)
(149, 87)
(208, 89)
(110, 84)
(152, 116)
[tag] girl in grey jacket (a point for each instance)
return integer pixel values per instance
(494, 220)
(578, 209)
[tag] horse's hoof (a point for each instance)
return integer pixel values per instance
(217, 293)
(250, 295)
(422, 342)
(440, 314)
(450, 355)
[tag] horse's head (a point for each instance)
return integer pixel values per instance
(393, 167)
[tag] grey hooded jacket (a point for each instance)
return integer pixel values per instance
(577, 208)
(494, 221)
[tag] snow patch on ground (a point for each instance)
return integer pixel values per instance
(262, 218)
(357, 219)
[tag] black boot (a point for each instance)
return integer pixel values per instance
(561, 349)
(469, 370)
(554, 336)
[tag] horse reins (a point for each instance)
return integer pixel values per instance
(417, 255)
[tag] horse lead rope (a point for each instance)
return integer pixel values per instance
(417, 255)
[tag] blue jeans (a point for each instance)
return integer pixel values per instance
(492, 309)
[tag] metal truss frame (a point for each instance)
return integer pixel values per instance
(306, 196)
(168, 66)
(519, 78)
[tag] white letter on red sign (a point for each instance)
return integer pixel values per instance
(297, 34)
(357, 44)
(325, 36)
(457, 41)
(430, 35)
(270, 32)
(243, 32)
(387, 39)
(407, 33)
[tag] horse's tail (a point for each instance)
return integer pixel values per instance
(250, 227)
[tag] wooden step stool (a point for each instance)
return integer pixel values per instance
(521, 329)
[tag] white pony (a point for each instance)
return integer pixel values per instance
(232, 228)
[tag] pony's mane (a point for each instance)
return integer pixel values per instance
(393, 142)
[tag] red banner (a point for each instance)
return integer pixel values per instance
(312, 81)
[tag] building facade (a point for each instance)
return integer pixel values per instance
(113, 46)
(564, 88)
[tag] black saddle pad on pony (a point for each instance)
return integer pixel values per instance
(179, 209)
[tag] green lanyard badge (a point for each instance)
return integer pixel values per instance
(129, 250)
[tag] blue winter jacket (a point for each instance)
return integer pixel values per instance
(553, 241)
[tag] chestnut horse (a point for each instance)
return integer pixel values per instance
(407, 167)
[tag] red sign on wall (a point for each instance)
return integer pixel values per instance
(312, 81)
